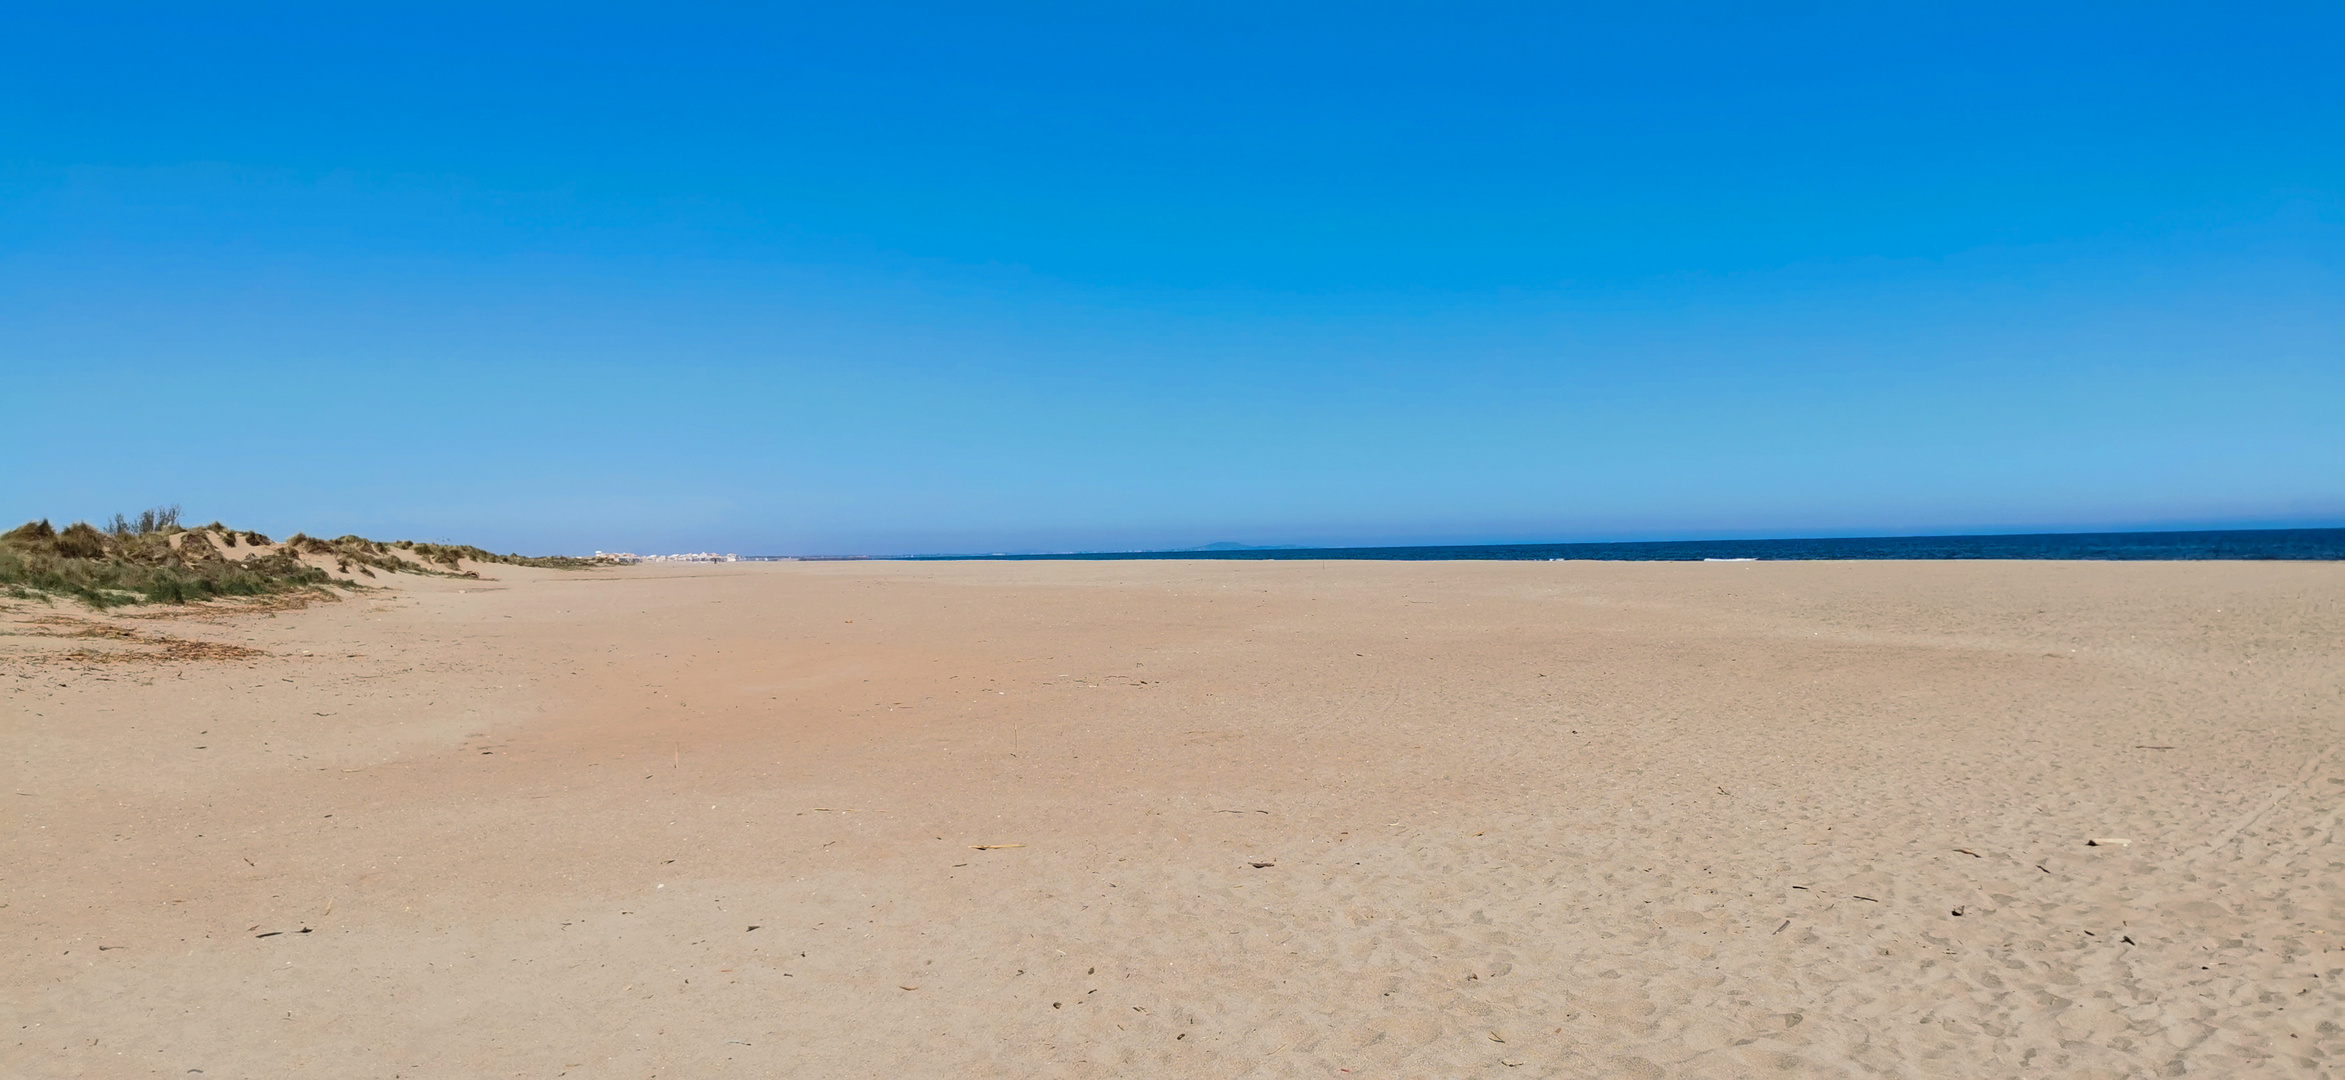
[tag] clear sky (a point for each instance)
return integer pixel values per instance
(850, 278)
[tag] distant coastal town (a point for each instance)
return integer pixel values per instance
(696, 556)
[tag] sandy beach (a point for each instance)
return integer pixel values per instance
(1188, 819)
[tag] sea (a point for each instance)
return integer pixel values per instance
(2255, 544)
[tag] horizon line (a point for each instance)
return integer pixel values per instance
(1225, 548)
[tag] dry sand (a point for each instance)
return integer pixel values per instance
(1187, 819)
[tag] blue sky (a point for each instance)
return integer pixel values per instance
(948, 278)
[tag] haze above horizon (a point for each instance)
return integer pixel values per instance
(926, 279)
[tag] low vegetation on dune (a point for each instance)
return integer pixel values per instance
(153, 559)
(449, 554)
(412, 557)
(104, 568)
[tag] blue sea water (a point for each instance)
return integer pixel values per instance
(2262, 544)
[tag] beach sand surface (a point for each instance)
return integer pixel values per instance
(1187, 819)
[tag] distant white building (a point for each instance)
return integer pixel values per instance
(691, 556)
(698, 556)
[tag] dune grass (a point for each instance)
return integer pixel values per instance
(153, 559)
(105, 569)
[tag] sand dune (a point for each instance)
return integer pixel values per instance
(1189, 819)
